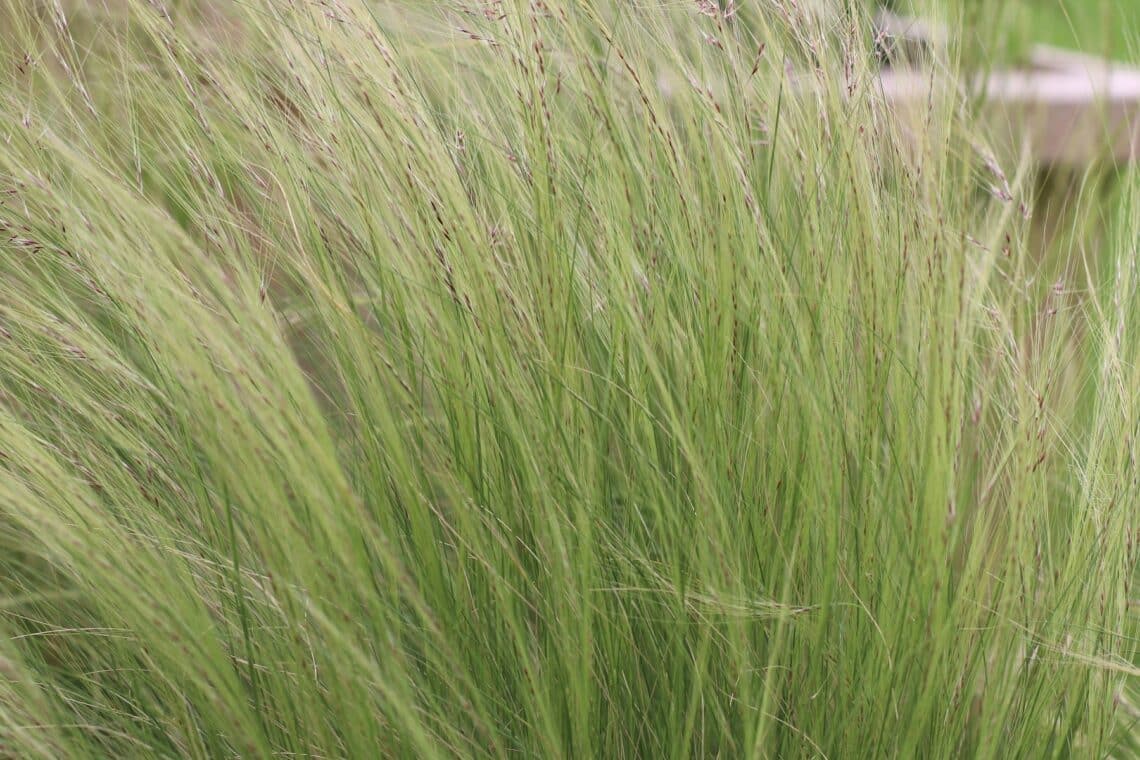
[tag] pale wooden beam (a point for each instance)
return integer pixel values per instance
(1066, 109)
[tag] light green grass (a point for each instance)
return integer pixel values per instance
(1108, 28)
(373, 388)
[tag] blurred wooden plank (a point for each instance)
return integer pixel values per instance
(1070, 117)
(905, 41)
(1065, 108)
(1060, 59)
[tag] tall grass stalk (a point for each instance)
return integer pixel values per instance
(557, 379)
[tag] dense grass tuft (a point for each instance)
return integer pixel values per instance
(547, 379)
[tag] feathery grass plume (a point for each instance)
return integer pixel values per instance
(556, 378)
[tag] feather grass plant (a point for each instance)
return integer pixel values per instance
(556, 379)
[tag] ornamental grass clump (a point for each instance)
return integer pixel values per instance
(553, 379)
